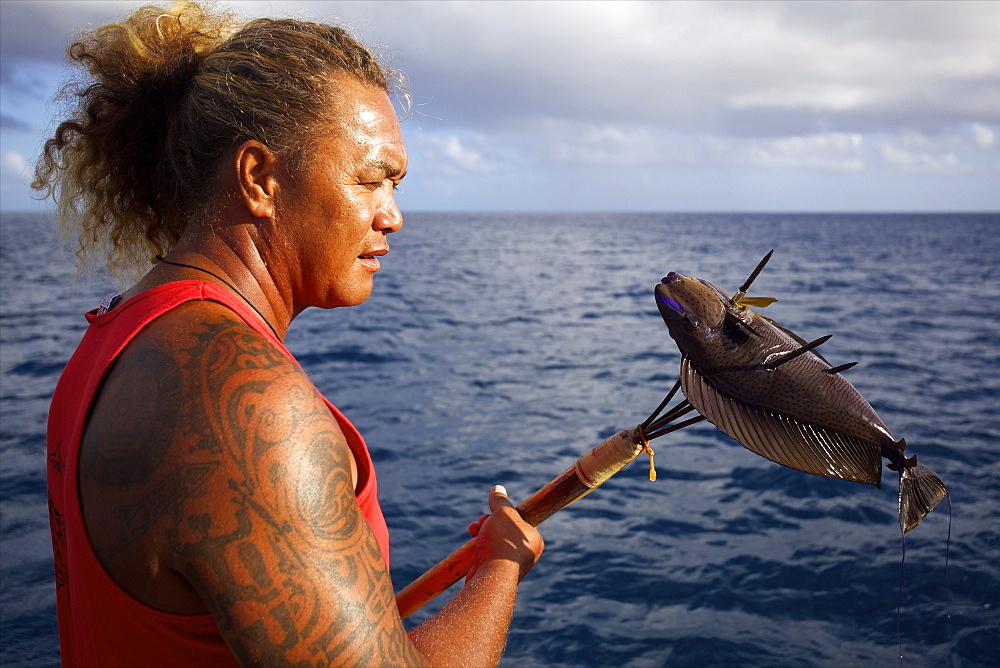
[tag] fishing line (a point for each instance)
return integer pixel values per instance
(899, 597)
(947, 551)
(902, 579)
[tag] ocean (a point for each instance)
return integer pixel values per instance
(497, 348)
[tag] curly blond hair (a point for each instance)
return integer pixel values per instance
(167, 92)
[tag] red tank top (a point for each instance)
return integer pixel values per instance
(99, 623)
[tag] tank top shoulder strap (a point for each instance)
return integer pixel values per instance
(145, 307)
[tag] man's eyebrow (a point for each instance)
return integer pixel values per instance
(390, 170)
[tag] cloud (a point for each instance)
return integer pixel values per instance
(10, 124)
(951, 153)
(571, 145)
(914, 152)
(750, 68)
(450, 155)
(629, 146)
(528, 92)
(983, 136)
(835, 151)
(915, 160)
(33, 32)
(13, 168)
(603, 145)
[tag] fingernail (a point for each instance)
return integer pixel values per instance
(500, 488)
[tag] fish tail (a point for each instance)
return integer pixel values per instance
(919, 491)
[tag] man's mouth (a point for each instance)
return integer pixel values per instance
(370, 259)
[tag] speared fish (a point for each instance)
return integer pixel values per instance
(771, 391)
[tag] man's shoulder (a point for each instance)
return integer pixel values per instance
(216, 368)
(203, 436)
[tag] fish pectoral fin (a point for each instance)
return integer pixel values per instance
(919, 491)
(782, 439)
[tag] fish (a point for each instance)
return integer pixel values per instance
(771, 391)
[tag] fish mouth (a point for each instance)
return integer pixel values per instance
(670, 303)
(670, 278)
(670, 309)
(677, 299)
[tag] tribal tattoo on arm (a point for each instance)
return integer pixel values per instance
(247, 494)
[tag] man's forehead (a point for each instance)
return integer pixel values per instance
(373, 115)
(368, 114)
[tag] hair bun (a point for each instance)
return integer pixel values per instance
(151, 50)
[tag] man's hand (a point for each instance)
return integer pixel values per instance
(504, 535)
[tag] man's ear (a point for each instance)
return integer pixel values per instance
(256, 174)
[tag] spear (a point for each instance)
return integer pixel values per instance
(589, 472)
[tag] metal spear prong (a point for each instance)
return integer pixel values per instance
(658, 422)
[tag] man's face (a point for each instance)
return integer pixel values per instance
(337, 212)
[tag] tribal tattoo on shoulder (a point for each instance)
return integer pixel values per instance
(247, 479)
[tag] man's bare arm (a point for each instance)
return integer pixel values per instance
(251, 505)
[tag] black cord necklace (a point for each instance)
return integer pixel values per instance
(230, 285)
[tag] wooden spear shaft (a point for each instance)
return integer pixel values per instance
(588, 473)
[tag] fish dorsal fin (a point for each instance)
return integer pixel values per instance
(780, 438)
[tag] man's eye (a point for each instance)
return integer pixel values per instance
(375, 185)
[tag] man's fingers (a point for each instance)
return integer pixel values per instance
(504, 536)
(476, 526)
(498, 498)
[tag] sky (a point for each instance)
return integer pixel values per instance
(632, 106)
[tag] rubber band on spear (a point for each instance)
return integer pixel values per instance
(589, 472)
